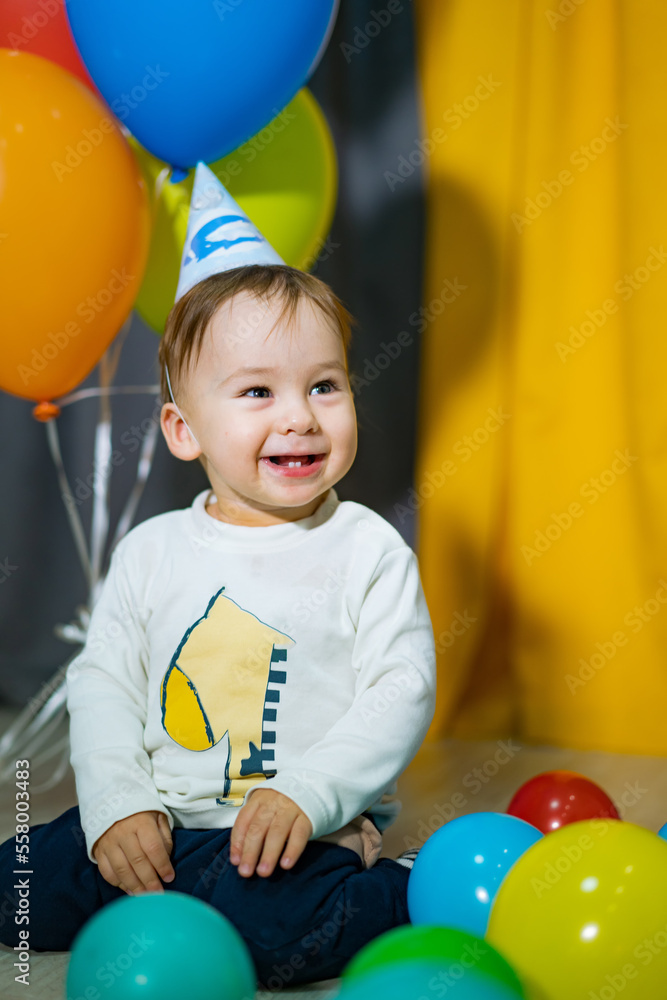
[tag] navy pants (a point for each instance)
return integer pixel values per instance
(300, 925)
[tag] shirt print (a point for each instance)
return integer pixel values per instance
(223, 683)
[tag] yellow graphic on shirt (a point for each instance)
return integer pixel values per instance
(217, 687)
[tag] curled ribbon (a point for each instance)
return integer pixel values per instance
(47, 710)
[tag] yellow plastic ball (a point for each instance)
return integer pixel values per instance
(582, 915)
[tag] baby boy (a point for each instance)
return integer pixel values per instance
(260, 666)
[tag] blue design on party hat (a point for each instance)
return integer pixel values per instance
(220, 235)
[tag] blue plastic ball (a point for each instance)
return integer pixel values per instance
(160, 946)
(458, 871)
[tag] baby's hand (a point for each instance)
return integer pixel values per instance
(130, 852)
(268, 819)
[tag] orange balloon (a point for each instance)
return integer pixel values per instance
(74, 228)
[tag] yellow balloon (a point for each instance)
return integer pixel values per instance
(582, 915)
(285, 179)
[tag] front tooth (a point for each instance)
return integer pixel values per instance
(291, 465)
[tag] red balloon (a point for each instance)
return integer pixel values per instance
(41, 27)
(555, 798)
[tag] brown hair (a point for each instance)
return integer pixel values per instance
(190, 317)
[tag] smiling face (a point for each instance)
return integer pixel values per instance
(250, 426)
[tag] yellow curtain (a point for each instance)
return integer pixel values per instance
(541, 478)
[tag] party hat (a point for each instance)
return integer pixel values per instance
(220, 235)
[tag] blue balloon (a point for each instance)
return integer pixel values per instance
(160, 946)
(194, 80)
(458, 871)
(416, 980)
(662, 832)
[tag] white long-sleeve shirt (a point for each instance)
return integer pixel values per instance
(221, 657)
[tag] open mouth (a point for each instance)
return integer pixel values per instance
(294, 461)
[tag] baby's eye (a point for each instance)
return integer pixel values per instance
(263, 388)
(328, 382)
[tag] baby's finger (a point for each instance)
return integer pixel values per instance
(253, 844)
(241, 824)
(163, 826)
(151, 859)
(145, 878)
(274, 843)
(105, 869)
(123, 869)
(298, 838)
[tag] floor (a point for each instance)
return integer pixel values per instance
(446, 779)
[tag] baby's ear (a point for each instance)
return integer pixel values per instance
(179, 439)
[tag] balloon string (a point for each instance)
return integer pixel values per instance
(101, 468)
(160, 182)
(99, 531)
(37, 712)
(62, 767)
(143, 468)
(66, 493)
(33, 726)
(39, 720)
(38, 736)
(107, 391)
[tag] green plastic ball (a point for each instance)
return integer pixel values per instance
(426, 943)
(424, 980)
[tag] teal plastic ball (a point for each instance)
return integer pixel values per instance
(160, 946)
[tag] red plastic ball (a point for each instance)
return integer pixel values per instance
(555, 798)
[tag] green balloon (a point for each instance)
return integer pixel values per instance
(412, 942)
(285, 179)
